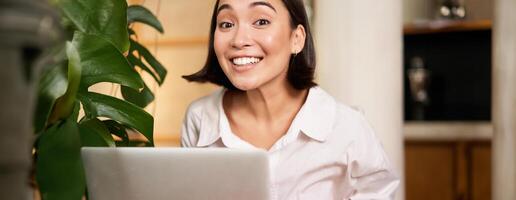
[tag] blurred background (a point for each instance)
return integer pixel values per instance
(441, 74)
(435, 78)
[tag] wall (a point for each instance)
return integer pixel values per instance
(359, 62)
(182, 49)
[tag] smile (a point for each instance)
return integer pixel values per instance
(245, 60)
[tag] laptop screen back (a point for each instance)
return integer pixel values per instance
(175, 173)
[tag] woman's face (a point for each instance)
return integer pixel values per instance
(254, 40)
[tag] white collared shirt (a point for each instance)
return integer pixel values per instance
(329, 151)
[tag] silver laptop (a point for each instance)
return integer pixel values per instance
(175, 173)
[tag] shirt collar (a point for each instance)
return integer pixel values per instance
(315, 118)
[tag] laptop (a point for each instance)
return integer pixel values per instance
(138, 173)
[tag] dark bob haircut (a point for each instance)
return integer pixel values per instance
(302, 66)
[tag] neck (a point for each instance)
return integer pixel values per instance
(273, 102)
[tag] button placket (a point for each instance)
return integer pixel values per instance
(273, 163)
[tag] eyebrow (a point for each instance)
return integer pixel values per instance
(263, 3)
(254, 4)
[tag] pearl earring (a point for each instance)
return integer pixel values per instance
(295, 53)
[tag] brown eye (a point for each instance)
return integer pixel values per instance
(262, 22)
(225, 25)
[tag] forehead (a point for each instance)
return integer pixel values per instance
(246, 4)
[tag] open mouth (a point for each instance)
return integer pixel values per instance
(241, 61)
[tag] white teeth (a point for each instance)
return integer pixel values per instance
(245, 60)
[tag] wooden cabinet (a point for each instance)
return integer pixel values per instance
(448, 170)
(429, 171)
(450, 66)
(480, 171)
(447, 148)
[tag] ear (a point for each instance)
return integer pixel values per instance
(297, 39)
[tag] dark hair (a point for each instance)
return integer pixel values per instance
(302, 66)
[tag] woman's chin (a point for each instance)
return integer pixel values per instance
(245, 86)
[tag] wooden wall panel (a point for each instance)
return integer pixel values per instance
(182, 50)
(430, 171)
(458, 170)
(174, 96)
(480, 171)
(180, 19)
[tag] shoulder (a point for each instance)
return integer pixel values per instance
(342, 121)
(352, 115)
(200, 113)
(342, 114)
(350, 124)
(325, 106)
(354, 131)
(324, 100)
(198, 106)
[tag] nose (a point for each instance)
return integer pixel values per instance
(241, 38)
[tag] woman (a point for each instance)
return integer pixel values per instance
(262, 53)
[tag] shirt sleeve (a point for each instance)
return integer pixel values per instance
(190, 128)
(370, 171)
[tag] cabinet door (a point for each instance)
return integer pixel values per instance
(448, 170)
(430, 170)
(480, 171)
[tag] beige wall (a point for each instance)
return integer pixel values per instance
(182, 50)
(359, 63)
(504, 101)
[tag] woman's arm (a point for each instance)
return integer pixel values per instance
(370, 171)
(378, 185)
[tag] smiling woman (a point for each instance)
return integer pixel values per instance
(262, 53)
(302, 63)
(255, 33)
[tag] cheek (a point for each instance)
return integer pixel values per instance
(277, 42)
(218, 45)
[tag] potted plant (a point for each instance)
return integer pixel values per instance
(101, 47)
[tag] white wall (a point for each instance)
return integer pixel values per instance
(504, 101)
(359, 62)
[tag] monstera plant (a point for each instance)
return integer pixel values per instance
(101, 47)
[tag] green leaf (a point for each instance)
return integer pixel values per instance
(95, 134)
(137, 62)
(119, 130)
(76, 109)
(155, 64)
(105, 19)
(65, 104)
(102, 63)
(52, 85)
(140, 98)
(137, 13)
(128, 114)
(59, 170)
